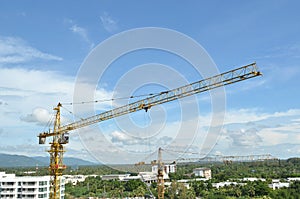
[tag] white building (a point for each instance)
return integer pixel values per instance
(148, 177)
(74, 179)
(202, 172)
(293, 179)
(251, 179)
(168, 168)
(279, 185)
(227, 183)
(25, 187)
(119, 177)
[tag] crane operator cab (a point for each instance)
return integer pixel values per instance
(64, 139)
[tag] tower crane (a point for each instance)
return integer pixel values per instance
(60, 135)
(225, 159)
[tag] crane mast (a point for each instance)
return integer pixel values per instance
(56, 157)
(60, 133)
(160, 176)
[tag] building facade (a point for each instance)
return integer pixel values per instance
(202, 172)
(168, 168)
(26, 187)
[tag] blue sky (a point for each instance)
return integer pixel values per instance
(43, 45)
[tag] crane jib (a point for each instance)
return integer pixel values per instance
(236, 75)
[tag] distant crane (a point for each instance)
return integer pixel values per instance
(60, 135)
(160, 176)
(221, 158)
(218, 158)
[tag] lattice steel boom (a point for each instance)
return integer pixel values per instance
(59, 132)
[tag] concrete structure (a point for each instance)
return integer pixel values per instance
(25, 187)
(279, 185)
(293, 179)
(168, 168)
(223, 184)
(148, 177)
(74, 179)
(119, 177)
(251, 179)
(202, 172)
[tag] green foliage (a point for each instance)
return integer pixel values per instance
(94, 186)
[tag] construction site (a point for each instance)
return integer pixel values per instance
(60, 133)
(149, 99)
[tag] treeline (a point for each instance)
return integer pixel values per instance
(279, 169)
(256, 189)
(221, 172)
(271, 169)
(95, 187)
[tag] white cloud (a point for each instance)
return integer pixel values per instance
(39, 116)
(254, 115)
(280, 134)
(15, 50)
(291, 51)
(246, 138)
(36, 84)
(33, 81)
(109, 24)
(28, 98)
(83, 33)
(252, 131)
(123, 138)
(80, 31)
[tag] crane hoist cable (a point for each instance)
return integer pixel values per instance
(107, 100)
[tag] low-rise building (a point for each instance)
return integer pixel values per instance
(202, 172)
(168, 168)
(252, 179)
(74, 179)
(119, 177)
(223, 184)
(293, 179)
(148, 177)
(279, 185)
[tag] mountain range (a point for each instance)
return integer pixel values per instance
(7, 160)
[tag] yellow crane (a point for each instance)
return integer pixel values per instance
(160, 176)
(219, 158)
(60, 135)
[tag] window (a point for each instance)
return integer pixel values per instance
(31, 189)
(31, 183)
(42, 183)
(43, 189)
